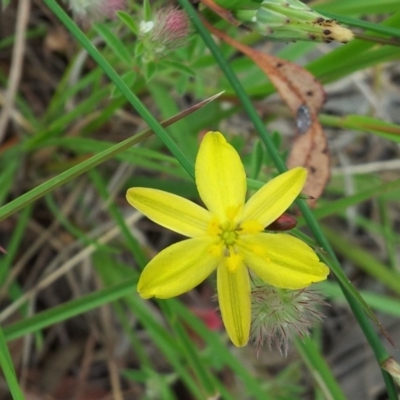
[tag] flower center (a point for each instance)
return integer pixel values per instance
(229, 237)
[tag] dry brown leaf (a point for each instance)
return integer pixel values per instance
(222, 12)
(305, 96)
(311, 151)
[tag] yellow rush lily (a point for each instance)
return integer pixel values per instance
(227, 236)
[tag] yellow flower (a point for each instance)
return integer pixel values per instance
(227, 236)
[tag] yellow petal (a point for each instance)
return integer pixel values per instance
(275, 197)
(235, 302)
(220, 177)
(282, 260)
(171, 211)
(178, 268)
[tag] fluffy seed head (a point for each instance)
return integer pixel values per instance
(279, 315)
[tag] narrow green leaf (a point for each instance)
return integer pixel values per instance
(150, 70)
(70, 309)
(7, 366)
(357, 7)
(115, 43)
(178, 66)
(129, 79)
(340, 205)
(319, 369)
(363, 123)
(116, 79)
(128, 21)
(364, 260)
(384, 304)
(79, 169)
(370, 26)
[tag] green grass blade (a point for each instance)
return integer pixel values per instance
(7, 366)
(370, 26)
(68, 310)
(357, 7)
(9, 165)
(227, 357)
(363, 123)
(364, 260)
(117, 80)
(385, 304)
(64, 177)
(319, 369)
(340, 205)
(114, 43)
(134, 246)
(14, 245)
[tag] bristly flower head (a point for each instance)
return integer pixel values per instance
(228, 236)
(172, 26)
(170, 29)
(279, 315)
(110, 7)
(96, 9)
(291, 20)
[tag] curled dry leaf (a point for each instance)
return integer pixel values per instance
(311, 151)
(304, 96)
(221, 11)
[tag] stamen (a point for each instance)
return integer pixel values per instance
(213, 228)
(233, 262)
(216, 250)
